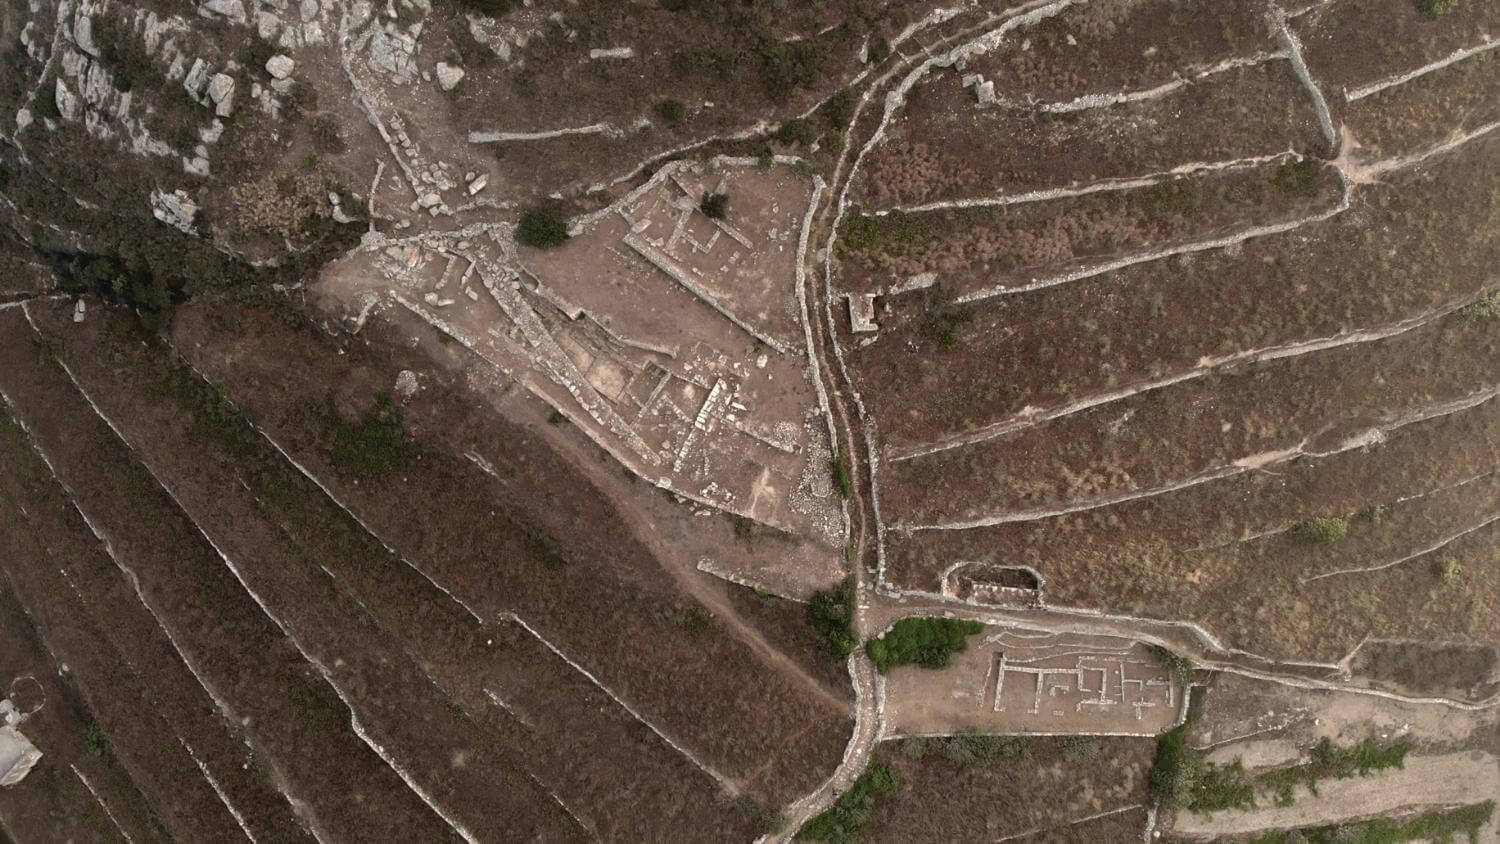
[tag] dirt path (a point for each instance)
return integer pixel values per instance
(1449, 780)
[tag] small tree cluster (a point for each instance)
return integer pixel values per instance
(831, 614)
(542, 230)
(714, 206)
(1320, 531)
(1434, 9)
(671, 111)
(926, 642)
(846, 819)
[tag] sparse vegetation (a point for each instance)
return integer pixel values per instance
(831, 613)
(1374, 514)
(542, 230)
(769, 823)
(1447, 570)
(1486, 307)
(1298, 178)
(375, 446)
(1322, 530)
(926, 642)
(1175, 197)
(845, 820)
(714, 206)
(841, 476)
(1434, 9)
(694, 621)
(969, 749)
(838, 111)
(1442, 827)
(1178, 666)
(796, 131)
(556, 417)
(95, 741)
(765, 160)
(871, 236)
(671, 111)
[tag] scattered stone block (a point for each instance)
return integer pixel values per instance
(280, 67)
(448, 76)
(67, 101)
(221, 93)
(612, 53)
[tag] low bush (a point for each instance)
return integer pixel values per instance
(1320, 531)
(1434, 9)
(841, 477)
(971, 750)
(671, 111)
(1177, 665)
(1485, 307)
(1298, 178)
(374, 446)
(845, 820)
(1443, 826)
(895, 235)
(1173, 197)
(796, 131)
(714, 206)
(925, 642)
(831, 614)
(838, 111)
(542, 230)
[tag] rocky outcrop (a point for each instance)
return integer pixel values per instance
(67, 102)
(176, 209)
(280, 67)
(221, 93)
(230, 9)
(448, 76)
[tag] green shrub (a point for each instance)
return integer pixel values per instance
(1176, 769)
(714, 206)
(1442, 826)
(542, 230)
(1173, 197)
(971, 750)
(1447, 570)
(769, 823)
(896, 235)
(1375, 513)
(694, 621)
(96, 741)
(845, 820)
(1298, 178)
(841, 477)
(926, 642)
(1178, 666)
(1320, 531)
(789, 65)
(1076, 749)
(672, 111)
(796, 131)
(374, 446)
(1485, 307)
(1434, 9)
(765, 161)
(831, 614)
(880, 48)
(838, 111)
